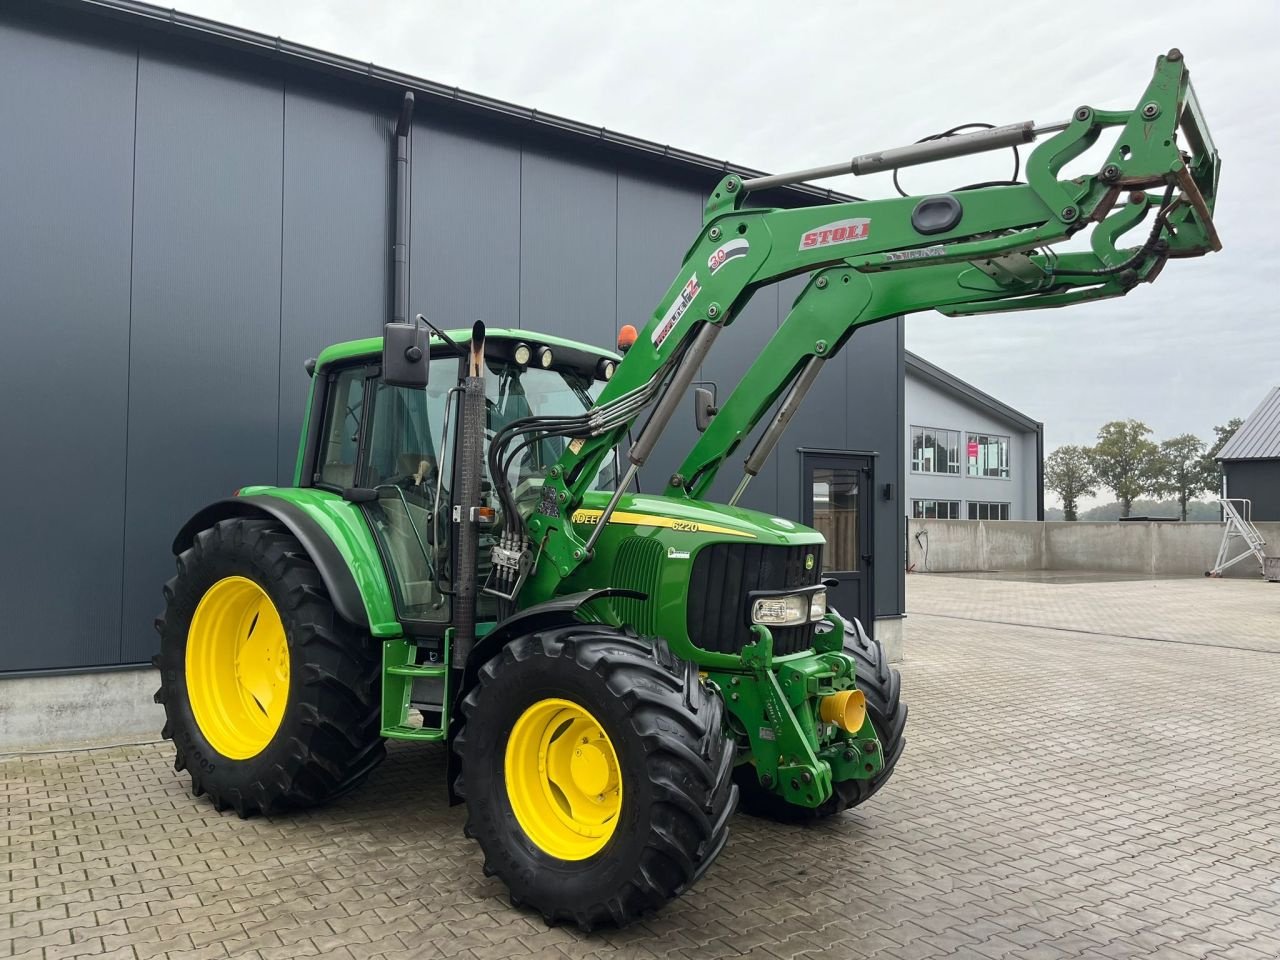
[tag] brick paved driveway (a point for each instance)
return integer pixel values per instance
(1064, 794)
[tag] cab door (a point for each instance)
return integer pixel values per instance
(388, 443)
(835, 495)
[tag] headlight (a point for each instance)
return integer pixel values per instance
(817, 606)
(781, 611)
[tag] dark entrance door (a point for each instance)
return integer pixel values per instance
(835, 491)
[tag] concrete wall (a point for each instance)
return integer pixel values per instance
(56, 712)
(926, 406)
(1160, 549)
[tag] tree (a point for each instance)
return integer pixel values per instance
(1222, 434)
(1124, 460)
(1068, 474)
(1179, 470)
(1209, 465)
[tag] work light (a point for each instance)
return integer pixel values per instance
(544, 357)
(522, 354)
(789, 611)
(817, 606)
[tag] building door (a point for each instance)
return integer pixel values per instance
(836, 501)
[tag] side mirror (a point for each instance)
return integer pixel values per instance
(704, 407)
(406, 354)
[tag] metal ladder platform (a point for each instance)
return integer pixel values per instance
(1237, 516)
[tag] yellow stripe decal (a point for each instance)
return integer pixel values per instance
(649, 520)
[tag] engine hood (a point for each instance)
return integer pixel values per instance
(713, 520)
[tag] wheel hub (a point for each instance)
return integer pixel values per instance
(237, 667)
(563, 779)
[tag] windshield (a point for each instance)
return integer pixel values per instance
(514, 392)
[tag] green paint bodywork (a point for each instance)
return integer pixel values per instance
(993, 259)
(344, 524)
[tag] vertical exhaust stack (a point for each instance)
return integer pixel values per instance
(470, 472)
(400, 245)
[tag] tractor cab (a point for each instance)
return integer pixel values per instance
(391, 448)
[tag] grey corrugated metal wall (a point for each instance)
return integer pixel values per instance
(1257, 481)
(180, 228)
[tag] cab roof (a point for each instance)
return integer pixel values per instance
(372, 346)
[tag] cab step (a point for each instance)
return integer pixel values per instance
(400, 668)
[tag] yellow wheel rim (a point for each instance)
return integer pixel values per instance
(563, 779)
(237, 668)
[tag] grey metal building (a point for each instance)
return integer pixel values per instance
(968, 455)
(1251, 460)
(189, 210)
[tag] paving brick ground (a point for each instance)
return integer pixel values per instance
(1063, 794)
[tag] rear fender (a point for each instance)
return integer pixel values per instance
(363, 605)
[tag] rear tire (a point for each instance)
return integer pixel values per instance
(882, 686)
(668, 754)
(324, 737)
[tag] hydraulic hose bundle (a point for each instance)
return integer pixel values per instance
(511, 557)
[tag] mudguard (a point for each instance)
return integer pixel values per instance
(333, 568)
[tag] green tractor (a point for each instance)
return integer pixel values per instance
(460, 557)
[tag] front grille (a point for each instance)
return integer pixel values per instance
(638, 566)
(723, 575)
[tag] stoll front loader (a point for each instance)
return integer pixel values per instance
(612, 671)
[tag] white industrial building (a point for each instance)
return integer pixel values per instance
(969, 456)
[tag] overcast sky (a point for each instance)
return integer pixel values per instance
(781, 86)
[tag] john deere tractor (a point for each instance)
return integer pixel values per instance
(461, 557)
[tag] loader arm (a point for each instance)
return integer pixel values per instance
(970, 251)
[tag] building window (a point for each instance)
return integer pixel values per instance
(988, 456)
(988, 511)
(935, 451)
(935, 509)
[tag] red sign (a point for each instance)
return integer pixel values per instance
(973, 449)
(841, 231)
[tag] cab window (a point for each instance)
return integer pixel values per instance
(408, 462)
(340, 435)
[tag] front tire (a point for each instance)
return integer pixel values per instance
(596, 772)
(882, 686)
(270, 697)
